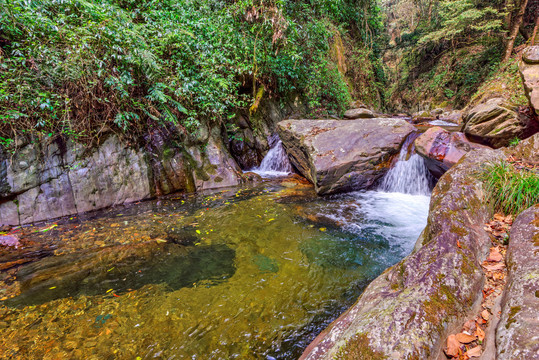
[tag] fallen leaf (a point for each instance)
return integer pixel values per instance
(494, 267)
(453, 346)
(479, 333)
(465, 338)
(485, 314)
(469, 326)
(495, 255)
(474, 352)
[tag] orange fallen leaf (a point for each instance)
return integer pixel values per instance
(494, 267)
(465, 338)
(485, 314)
(474, 352)
(479, 333)
(453, 346)
(458, 244)
(495, 255)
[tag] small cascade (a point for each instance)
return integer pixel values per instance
(276, 162)
(410, 174)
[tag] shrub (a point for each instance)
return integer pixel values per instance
(509, 189)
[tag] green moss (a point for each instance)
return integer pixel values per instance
(459, 230)
(358, 348)
(512, 313)
(440, 305)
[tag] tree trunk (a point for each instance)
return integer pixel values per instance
(513, 30)
(534, 35)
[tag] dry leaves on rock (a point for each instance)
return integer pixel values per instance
(474, 352)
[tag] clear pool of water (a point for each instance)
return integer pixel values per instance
(246, 273)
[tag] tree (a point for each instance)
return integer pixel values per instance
(516, 21)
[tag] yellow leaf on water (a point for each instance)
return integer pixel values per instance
(109, 290)
(323, 229)
(270, 220)
(54, 287)
(198, 231)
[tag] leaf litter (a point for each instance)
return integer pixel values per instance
(469, 343)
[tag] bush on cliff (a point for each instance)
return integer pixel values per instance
(82, 67)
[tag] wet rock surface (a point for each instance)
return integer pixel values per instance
(497, 122)
(517, 335)
(442, 149)
(408, 310)
(342, 155)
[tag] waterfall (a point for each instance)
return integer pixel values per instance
(276, 162)
(410, 174)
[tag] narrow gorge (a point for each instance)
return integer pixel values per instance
(269, 179)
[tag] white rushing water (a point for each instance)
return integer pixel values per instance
(397, 211)
(275, 163)
(442, 123)
(409, 175)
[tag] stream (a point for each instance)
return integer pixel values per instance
(245, 273)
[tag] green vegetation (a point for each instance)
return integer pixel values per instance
(510, 189)
(443, 50)
(84, 67)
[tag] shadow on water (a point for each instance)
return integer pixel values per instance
(123, 268)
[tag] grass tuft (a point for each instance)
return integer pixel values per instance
(509, 189)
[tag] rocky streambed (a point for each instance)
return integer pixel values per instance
(258, 271)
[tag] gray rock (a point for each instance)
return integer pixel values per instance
(517, 335)
(51, 179)
(342, 155)
(359, 113)
(530, 55)
(496, 122)
(407, 312)
(442, 149)
(529, 71)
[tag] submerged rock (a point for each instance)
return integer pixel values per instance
(338, 155)
(517, 335)
(9, 240)
(359, 113)
(443, 149)
(496, 123)
(529, 70)
(407, 311)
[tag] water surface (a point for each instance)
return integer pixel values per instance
(246, 273)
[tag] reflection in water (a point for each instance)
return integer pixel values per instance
(245, 274)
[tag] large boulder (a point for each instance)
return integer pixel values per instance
(359, 113)
(529, 70)
(339, 155)
(407, 312)
(442, 149)
(497, 123)
(517, 335)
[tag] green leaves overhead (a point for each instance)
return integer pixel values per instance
(79, 66)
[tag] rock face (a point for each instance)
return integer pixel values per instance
(359, 113)
(442, 149)
(517, 335)
(497, 123)
(529, 70)
(340, 155)
(51, 179)
(407, 311)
